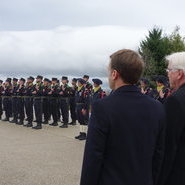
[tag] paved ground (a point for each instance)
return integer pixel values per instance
(50, 156)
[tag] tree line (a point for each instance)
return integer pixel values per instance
(156, 46)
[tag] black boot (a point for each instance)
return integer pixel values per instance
(65, 125)
(77, 137)
(6, 119)
(72, 122)
(29, 124)
(45, 122)
(13, 121)
(39, 126)
(20, 122)
(53, 124)
(82, 137)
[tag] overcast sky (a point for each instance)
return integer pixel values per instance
(74, 37)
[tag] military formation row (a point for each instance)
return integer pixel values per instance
(49, 100)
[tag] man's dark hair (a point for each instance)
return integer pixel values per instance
(128, 64)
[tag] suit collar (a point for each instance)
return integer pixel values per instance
(127, 88)
(182, 86)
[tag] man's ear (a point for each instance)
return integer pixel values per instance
(180, 75)
(115, 75)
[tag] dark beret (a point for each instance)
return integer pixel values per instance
(97, 81)
(82, 81)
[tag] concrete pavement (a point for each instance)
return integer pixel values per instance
(50, 156)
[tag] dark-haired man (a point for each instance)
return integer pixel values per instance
(125, 137)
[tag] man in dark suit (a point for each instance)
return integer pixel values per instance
(173, 168)
(125, 139)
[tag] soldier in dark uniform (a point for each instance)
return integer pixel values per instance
(20, 101)
(58, 104)
(97, 92)
(28, 99)
(49, 107)
(88, 86)
(7, 99)
(46, 90)
(82, 106)
(64, 101)
(54, 94)
(145, 88)
(1, 103)
(162, 88)
(72, 103)
(38, 93)
(14, 101)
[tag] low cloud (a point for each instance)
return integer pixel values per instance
(64, 50)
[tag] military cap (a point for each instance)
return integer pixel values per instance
(39, 77)
(162, 79)
(31, 78)
(64, 78)
(15, 79)
(74, 79)
(97, 81)
(8, 80)
(46, 79)
(54, 79)
(82, 81)
(22, 79)
(144, 80)
(86, 76)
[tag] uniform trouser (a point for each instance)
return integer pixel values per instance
(15, 108)
(20, 104)
(38, 110)
(29, 109)
(72, 105)
(54, 109)
(1, 107)
(46, 111)
(64, 109)
(87, 115)
(7, 107)
(58, 109)
(80, 117)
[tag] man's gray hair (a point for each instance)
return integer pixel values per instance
(176, 60)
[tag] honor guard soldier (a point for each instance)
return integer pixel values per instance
(53, 94)
(64, 98)
(28, 99)
(82, 106)
(162, 88)
(7, 99)
(145, 88)
(46, 90)
(1, 103)
(14, 100)
(72, 103)
(97, 92)
(20, 101)
(58, 103)
(88, 86)
(38, 93)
